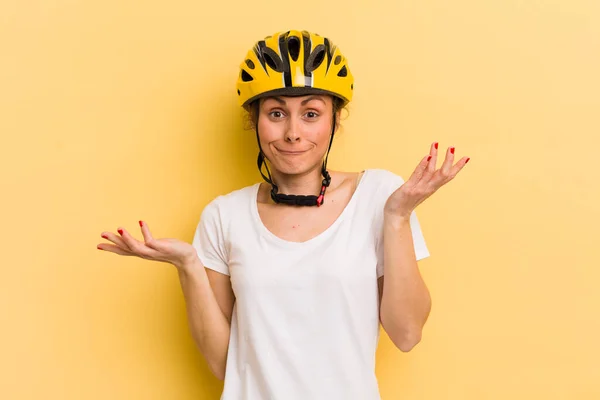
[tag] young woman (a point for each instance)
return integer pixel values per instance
(284, 280)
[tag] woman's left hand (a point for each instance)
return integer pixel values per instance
(423, 182)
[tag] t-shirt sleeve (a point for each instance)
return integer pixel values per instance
(209, 239)
(390, 183)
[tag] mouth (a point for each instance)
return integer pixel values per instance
(291, 153)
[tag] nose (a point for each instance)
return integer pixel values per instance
(292, 138)
(291, 133)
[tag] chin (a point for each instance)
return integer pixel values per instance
(294, 168)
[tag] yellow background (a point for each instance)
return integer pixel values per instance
(115, 111)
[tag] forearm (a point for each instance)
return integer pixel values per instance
(406, 301)
(209, 326)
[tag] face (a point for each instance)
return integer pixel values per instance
(294, 132)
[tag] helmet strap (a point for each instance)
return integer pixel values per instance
(290, 199)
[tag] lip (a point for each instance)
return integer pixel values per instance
(295, 152)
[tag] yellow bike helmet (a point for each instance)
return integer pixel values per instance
(294, 63)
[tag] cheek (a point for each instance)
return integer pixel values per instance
(268, 131)
(319, 133)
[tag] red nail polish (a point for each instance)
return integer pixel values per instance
(467, 160)
(120, 231)
(98, 247)
(452, 150)
(105, 237)
(141, 223)
(428, 158)
(436, 145)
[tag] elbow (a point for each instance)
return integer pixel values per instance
(215, 360)
(404, 339)
(218, 366)
(407, 342)
(218, 372)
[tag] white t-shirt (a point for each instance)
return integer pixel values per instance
(305, 324)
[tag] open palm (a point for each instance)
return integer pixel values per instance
(167, 250)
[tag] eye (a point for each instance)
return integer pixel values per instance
(312, 114)
(276, 114)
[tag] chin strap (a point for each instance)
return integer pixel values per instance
(290, 199)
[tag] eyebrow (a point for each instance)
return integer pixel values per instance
(282, 102)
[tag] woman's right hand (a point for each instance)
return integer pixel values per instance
(167, 250)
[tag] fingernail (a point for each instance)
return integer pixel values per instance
(120, 231)
(105, 237)
(141, 223)
(452, 150)
(99, 248)
(467, 160)
(428, 158)
(436, 145)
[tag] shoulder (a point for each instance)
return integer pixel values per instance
(222, 209)
(231, 200)
(372, 177)
(382, 180)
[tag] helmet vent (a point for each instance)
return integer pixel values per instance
(250, 64)
(316, 58)
(343, 72)
(272, 59)
(246, 77)
(294, 47)
(338, 60)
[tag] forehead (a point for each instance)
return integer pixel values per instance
(297, 100)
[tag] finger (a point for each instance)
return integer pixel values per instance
(419, 171)
(145, 232)
(114, 249)
(458, 166)
(115, 239)
(136, 246)
(433, 151)
(448, 161)
(148, 238)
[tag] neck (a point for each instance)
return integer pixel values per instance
(308, 183)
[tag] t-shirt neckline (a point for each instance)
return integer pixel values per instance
(316, 239)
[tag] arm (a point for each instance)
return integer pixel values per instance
(209, 303)
(405, 300)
